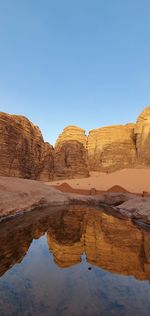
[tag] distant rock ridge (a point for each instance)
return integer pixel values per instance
(23, 152)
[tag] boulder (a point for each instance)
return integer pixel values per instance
(22, 195)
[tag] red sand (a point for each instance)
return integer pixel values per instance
(131, 180)
(65, 187)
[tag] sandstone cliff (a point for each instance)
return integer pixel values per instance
(142, 132)
(71, 154)
(71, 133)
(111, 148)
(23, 152)
(106, 149)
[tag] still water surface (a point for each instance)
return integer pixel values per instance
(73, 261)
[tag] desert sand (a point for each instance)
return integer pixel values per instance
(118, 190)
(132, 180)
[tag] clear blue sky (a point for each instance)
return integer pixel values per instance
(81, 62)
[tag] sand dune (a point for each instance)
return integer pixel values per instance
(132, 180)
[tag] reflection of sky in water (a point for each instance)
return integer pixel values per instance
(38, 286)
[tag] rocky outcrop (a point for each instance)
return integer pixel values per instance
(70, 160)
(22, 195)
(47, 163)
(142, 133)
(71, 154)
(23, 152)
(111, 148)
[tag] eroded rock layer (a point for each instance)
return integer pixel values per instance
(70, 160)
(23, 152)
(71, 154)
(111, 148)
(71, 133)
(142, 133)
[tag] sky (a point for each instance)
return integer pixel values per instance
(74, 62)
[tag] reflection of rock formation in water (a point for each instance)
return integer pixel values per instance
(65, 239)
(17, 234)
(116, 245)
(110, 243)
(13, 247)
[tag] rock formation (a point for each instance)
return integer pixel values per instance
(23, 152)
(71, 154)
(142, 133)
(71, 133)
(111, 148)
(23, 195)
